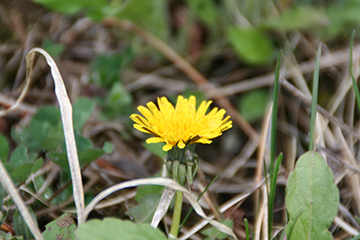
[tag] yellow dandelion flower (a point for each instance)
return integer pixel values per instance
(180, 125)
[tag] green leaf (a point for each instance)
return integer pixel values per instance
(300, 17)
(252, 105)
(250, 44)
(54, 49)
(22, 172)
(48, 114)
(144, 211)
(82, 143)
(312, 198)
(73, 7)
(108, 228)
(19, 156)
(150, 16)
(213, 233)
(22, 137)
(9, 236)
(53, 139)
(106, 67)
(61, 228)
(4, 148)
(90, 155)
(205, 9)
(59, 159)
(9, 167)
(155, 148)
(45, 128)
(118, 102)
(20, 226)
(82, 110)
(108, 147)
(146, 190)
(36, 165)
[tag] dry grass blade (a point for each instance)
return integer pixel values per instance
(162, 182)
(163, 206)
(17, 104)
(9, 185)
(66, 118)
(235, 200)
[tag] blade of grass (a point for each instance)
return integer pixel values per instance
(314, 99)
(356, 238)
(273, 173)
(266, 178)
(274, 114)
(273, 191)
(292, 227)
(247, 229)
(356, 89)
(198, 199)
(66, 118)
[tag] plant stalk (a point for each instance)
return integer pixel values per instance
(177, 215)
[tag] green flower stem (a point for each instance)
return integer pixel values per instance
(177, 215)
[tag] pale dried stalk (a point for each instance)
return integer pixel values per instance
(66, 118)
(7, 182)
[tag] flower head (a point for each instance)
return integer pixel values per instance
(181, 125)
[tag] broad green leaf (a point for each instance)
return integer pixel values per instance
(312, 198)
(53, 139)
(155, 148)
(146, 190)
(73, 7)
(250, 44)
(36, 165)
(9, 236)
(299, 17)
(90, 155)
(118, 102)
(112, 228)
(82, 110)
(144, 211)
(22, 172)
(213, 233)
(82, 143)
(45, 128)
(9, 168)
(59, 159)
(19, 156)
(108, 147)
(48, 114)
(4, 148)
(253, 104)
(205, 9)
(150, 15)
(106, 67)
(54, 49)
(61, 228)
(22, 137)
